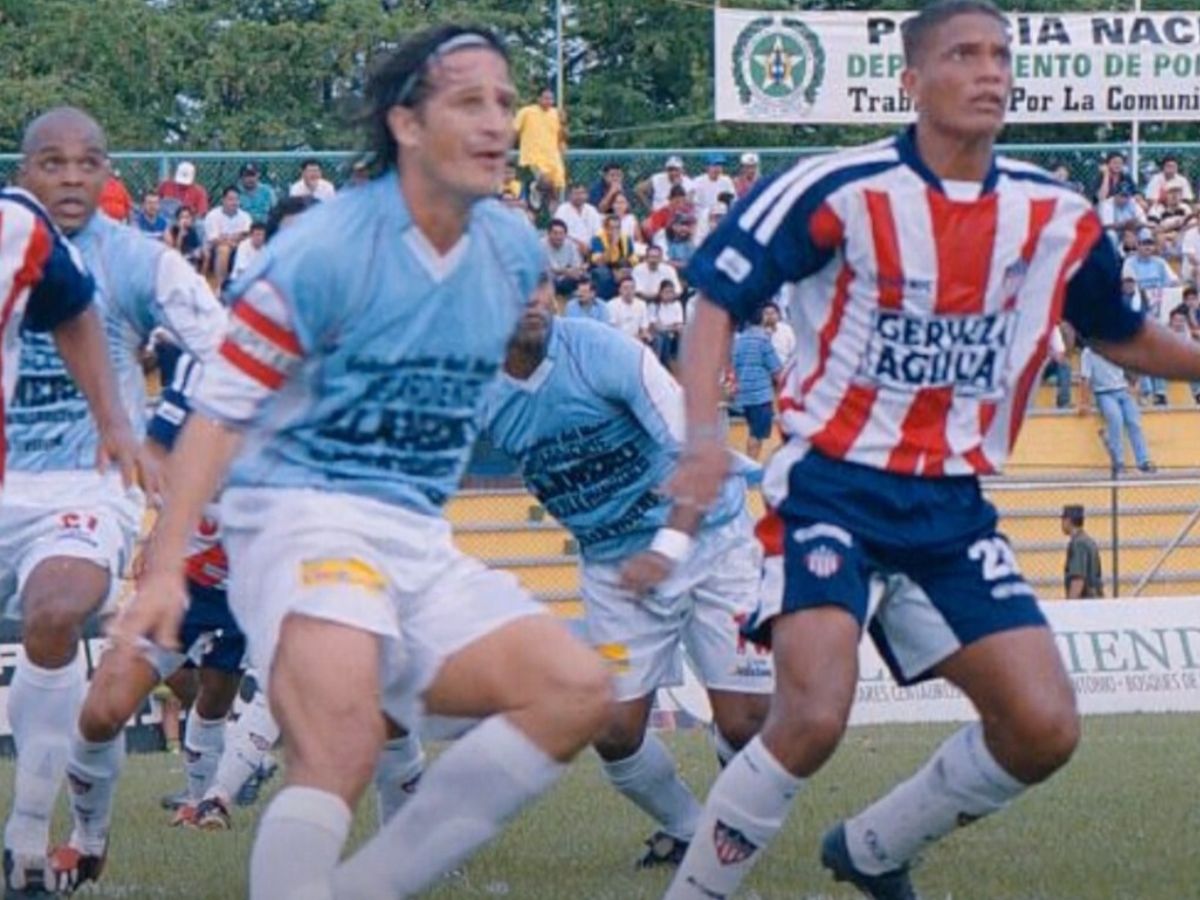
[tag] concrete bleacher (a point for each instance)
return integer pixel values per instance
(1058, 460)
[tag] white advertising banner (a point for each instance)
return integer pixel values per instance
(831, 67)
(1123, 656)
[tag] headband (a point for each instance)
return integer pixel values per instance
(445, 48)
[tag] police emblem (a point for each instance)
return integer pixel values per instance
(778, 64)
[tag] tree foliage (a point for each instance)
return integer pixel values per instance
(281, 74)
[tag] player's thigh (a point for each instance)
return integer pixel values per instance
(218, 691)
(638, 639)
(940, 602)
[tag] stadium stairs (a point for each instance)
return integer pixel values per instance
(1059, 460)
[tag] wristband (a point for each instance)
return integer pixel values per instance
(671, 543)
(699, 434)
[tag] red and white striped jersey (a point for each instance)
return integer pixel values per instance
(43, 282)
(922, 319)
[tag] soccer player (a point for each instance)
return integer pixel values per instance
(596, 422)
(65, 530)
(930, 276)
(354, 365)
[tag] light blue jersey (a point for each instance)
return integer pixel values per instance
(597, 429)
(356, 355)
(140, 283)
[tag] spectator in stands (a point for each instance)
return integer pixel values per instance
(628, 313)
(360, 174)
(584, 304)
(566, 262)
(185, 237)
(248, 250)
(1189, 253)
(225, 227)
(630, 227)
(1191, 303)
(667, 319)
(1106, 382)
(149, 218)
(756, 370)
(657, 190)
(512, 183)
(1129, 242)
(783, 337)
(649, 274)
(1113, 176)
(517, 206)
(716, 213)
(581, 218)
(254, 197)
(747, 175)
(612, 251)
(707, 189)
(1181, 322)
(115, 201)
(311, 182)
(1062, 172)
(1153, 276)
(609, 186)
(656, 224)
(680, 241)
(1120, 211)
(1058, 367)
(1166, 178)
(182, 190)
(1170, 217)
(1082, 576)
(541, 140)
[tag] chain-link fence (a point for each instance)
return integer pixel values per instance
(215, 171)
(1134, 520)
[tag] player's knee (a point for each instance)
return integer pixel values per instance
(1043, 738)
(52, 628)
(804, 735)
(620, 738)
(738, 727)
(103, 716)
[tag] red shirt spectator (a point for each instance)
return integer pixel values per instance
(115, 200)
(184, 190)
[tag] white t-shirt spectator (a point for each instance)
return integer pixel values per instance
(245, 256)
(582, 224)
(706, 192)
(323, 190)
(660, 187)
(1190, 251)
(646, 283)
(666, 315)
(783, 339)
(631, 318)
(1156, 190)
(1125, 214)
(218, 225)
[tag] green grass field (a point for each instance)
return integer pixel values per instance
(1123, 821)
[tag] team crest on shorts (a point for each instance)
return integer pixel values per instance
(731, 845)
(823, 561)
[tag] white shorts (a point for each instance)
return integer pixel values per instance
(82, 515)
(369, 565)
(699, 607)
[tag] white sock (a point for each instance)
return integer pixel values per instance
(247, 742)
(203, 741)
(400, 767)
(649, 778)
(746, 807)
(960, 783)
(43, 705)
(92, 773)
(299, 841)
(725, 751)
(476, 786)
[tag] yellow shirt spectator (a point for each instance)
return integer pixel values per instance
(540, 139)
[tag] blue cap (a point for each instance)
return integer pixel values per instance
(1145, 234)
(715, 159)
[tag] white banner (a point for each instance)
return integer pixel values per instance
(1123, 656)
(825, 67)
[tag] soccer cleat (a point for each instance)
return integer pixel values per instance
(212, 815)
(662, 850)
(27, 876)
(185, 815)
(73, 868)
(247, 794)
(173, 801)
(835, 856)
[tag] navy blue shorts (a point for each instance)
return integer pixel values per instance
(208, 619)
(759, 417)
(926, 549)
